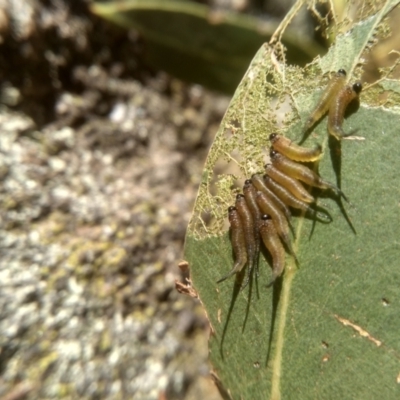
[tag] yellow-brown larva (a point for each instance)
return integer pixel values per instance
(301, 172)
(260, 185)
(238, 243)
(279, 220)
(338, 108)
(292, 185)
(249, 192)
(274, 245)
(293, 202)
(248, 228)
(293, 151)
(336, 83)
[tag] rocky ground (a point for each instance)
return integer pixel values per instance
(100, 159)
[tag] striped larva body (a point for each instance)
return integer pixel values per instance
(238, 243)
(334, 86)
(291, 201)
(274, 245)
(292, 185)
(249, 192)
(260, 185)
(248, 228)
(279, 220)
(301, 172)
(293, 151)
(338, 109)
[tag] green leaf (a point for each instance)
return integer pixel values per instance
(391, 84)
(193, 43)
(330, 328)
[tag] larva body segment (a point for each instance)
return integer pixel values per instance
(274, 245)
(293, 151)
(260, 185)
(279, 220)
(248, 228)
(292, 185)
(301, 172)
(291, 201)
(249, 192)
(336, 83)
(338, 109)
(238, 243)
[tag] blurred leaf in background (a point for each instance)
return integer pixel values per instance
(198, 44)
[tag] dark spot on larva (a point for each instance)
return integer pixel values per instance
(357, 87)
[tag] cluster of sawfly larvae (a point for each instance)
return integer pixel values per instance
(262, 213)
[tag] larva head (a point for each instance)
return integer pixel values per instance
(247, 187)
(342, 72)
(240, 199)
(267, 179)
(266, 224)
(231, 209)
(273, 137)
(357, 87)
(273, 154)
(267, 167)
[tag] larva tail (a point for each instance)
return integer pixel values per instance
(321, 215)
(288, 244)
